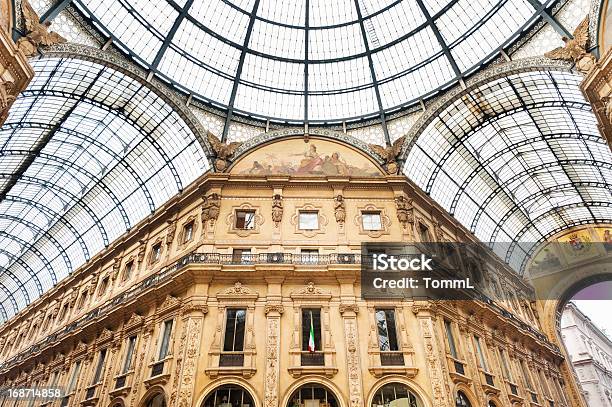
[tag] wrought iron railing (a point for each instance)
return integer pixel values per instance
(229, 259)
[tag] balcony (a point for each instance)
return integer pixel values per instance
(312, 359)
(458, 371)
(157, 369)
(160, 372)
(489, 384)
(91, 395)
(231, 359)
(391, 359)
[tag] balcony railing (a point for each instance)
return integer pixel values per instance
(231, 359)
(228, 259)
(459, 368)
(391, 359)
(313, 359)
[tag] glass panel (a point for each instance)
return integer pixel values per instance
(129, 354)
(234, 330)
(371, 221)
(165, 343)
(450, 338)
(309, 220)
(100, 367)
(311, 321)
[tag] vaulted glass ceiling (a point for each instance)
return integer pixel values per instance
(517, 160)
(311, 60)
(86, 153)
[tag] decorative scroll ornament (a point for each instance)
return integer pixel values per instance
(211, 207)
(37, 33)
(277, 209)
(170, 231)
(5, 97)
(575, 49)
(389, 154)
(222, 151)
(339, 209)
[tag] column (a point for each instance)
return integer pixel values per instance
(353, 365)
(271, 387)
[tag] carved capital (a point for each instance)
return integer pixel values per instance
(348, 308)
(274, 308)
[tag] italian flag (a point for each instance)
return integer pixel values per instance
(311, 342)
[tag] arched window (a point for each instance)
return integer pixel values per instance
(158, 400)
(462, 400)
(229, 395)
(395, 395)
(313, 395)
(491, 404)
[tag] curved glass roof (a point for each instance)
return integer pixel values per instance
(517, 160)
(86, 153)
(311, 60)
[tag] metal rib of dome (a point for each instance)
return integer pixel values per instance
(516, 160)
(86, 153)
(312, 60)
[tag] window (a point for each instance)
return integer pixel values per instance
(99, 367)
(395, 394)
(311, 329)
(310, 256)
(188, 232)
(461, 400)
(82, 299)
(387, 334)
(127, 272)
(156, 253)
(103, 286)
(424, 233)
(165, 343)
(229, 395)
(308, 220)
(479, 351)
(241, 256)
(234, 330)
(371, 220)
(73, 379)
(157, 401)
(504, 365)
(245, 219)
(233, 342)
(129, 354)
(526, 375)
(450, 338)
(313, 395)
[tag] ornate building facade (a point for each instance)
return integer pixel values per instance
(209, 300)
(590, 351)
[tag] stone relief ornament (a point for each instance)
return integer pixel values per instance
(37, 33)
(272, 363)
(116, 268)
(211, 207)
(575, 49)
(404, 210)
(222, 151)
(339, 209)
(277, 209)
(170, 231)
(141, 250)
(5, 97)
(607, 107)
(389, 154)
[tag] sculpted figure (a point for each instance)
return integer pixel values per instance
(339, 209)
(277, 209)
(36, 33)
(389, 154)
(575, 50)
(222, 151)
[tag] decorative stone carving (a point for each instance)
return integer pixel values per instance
(37, 33)
(271, 384)
(434, 363)
(274, 308)
(192, 331)
(339, 209)
(439, 234)
(170, 303)
(116, 268)
(134, 322)
(405, 210)
(310, 290)
(348, 308)
(277, 209)
(237, 290)
(170, 231)
(211, 207)
(142, 248)
(5, 97)
(352, 361)
(222, 151)
(576, 49)
(389, 154)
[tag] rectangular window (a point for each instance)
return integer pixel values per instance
(235, 320)
(309, 220)
(526, 375)
(309, 256)
(371, 220)
(241, 255)
(99, 367)
(129, 354)
(504, 365)
(74, 377)
(127, 273)
(424, 233)
(103, 286)
(245, 219)
(188, 232)
(311, 329)
(156, 253)
(165, 343)
(387, 333)
(450, 338)
(479, 351)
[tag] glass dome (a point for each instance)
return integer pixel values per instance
(311, 60)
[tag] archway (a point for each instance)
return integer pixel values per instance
(229, 395)
(313, 395)
(156, 400)
(395, 394)
(462, 400)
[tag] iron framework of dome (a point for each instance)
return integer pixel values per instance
(313, 60)
(85, 154)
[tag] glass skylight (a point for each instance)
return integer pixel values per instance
(86, 153)
(516, 161)
(310, 60)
